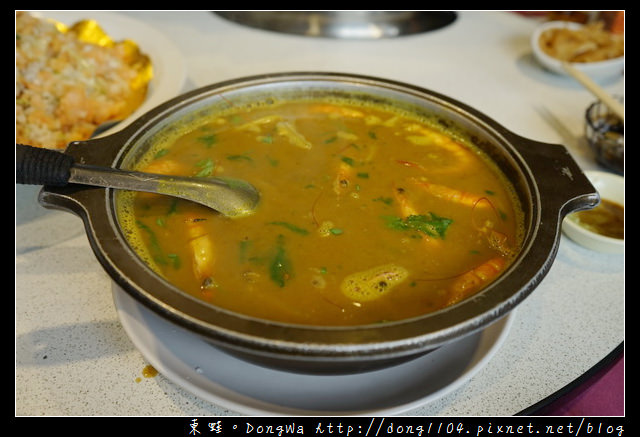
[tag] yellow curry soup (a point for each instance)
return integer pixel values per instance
(368, 214)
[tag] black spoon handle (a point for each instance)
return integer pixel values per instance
(38, 166)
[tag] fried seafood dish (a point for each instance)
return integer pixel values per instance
(590, 43)
(69, 80)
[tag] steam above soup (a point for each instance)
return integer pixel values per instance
(367, 214)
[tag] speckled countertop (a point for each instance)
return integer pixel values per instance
(73, 356)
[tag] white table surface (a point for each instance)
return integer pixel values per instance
(73, 357)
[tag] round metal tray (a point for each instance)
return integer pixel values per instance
(343, 24)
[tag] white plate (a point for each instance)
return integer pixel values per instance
(596, 70)
(249, 389)
(169, 68)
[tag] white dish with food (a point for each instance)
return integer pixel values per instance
(599, 229)
(169, 69)
(594, 62)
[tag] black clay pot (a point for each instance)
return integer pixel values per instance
(547, 180)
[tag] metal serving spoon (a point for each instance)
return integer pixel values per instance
(38, 166)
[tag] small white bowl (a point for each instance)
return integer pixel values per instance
(611, 187)
(595, 70)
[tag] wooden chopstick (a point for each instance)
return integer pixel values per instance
(595, 89)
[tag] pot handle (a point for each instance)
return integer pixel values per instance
(558, 176)
(39, 166)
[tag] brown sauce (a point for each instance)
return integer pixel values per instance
(605, 219)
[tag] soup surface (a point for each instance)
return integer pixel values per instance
(367, 214)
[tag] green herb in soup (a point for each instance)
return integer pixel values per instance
(367, 214)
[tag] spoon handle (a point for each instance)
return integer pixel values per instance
(38, 166)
